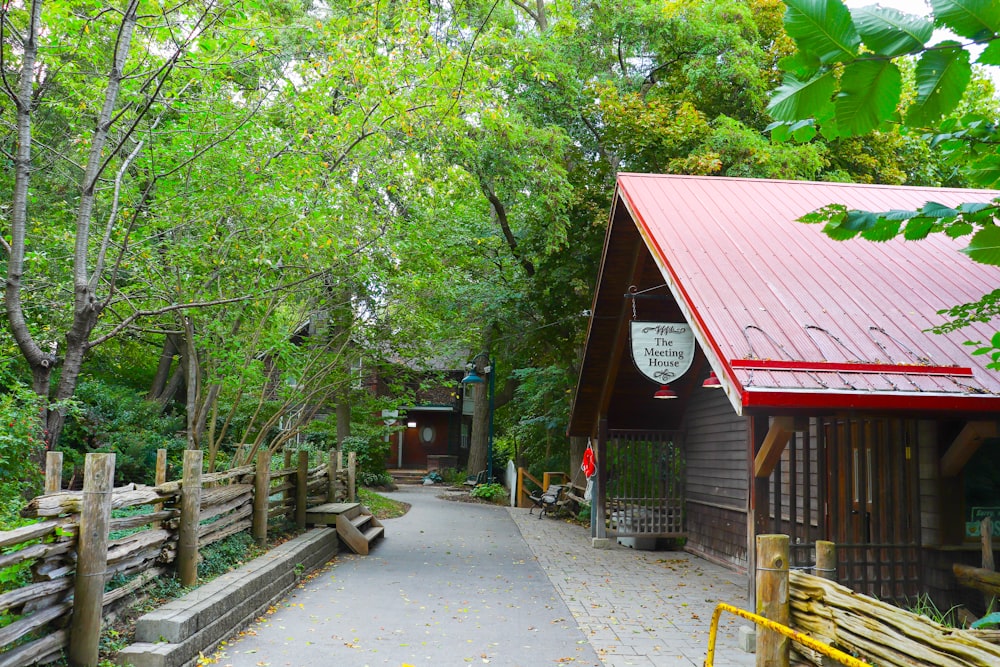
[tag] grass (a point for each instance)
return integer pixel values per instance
(380, 506)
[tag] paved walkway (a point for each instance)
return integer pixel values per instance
(459, 583)
(638, 607)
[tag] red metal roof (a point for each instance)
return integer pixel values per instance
(847, 319)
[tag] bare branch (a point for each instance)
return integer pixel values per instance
(124, 324)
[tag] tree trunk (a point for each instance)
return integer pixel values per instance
(343, 417)
(160, 381)
(191, 365)
(480, 429)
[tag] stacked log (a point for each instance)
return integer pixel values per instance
(879, 632)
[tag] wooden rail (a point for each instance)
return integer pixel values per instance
(66, 542)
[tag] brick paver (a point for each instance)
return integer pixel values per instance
(648, 608)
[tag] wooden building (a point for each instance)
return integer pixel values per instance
(436, 420)
(838, 415)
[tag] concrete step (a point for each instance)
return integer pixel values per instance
(408, 476)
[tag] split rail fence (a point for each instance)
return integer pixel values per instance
(86, 567)
(875, 631)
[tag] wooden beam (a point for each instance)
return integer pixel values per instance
(620, 341)
(965, 445)
(777, 437)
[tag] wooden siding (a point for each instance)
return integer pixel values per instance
(718, 534)
(930, 481)
(715, 448)
(715, 444)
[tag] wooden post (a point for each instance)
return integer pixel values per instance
(598, 528)
(261, 490)
(302, 490)
(161, 477)
(331, 472)
(826, 560)
(520, 487)
(92, 559)
(187, 532)
(53, 472)
(772, 598)
(352, 476)
(288, 495)
(986, 535)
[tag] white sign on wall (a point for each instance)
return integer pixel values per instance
(662, 351)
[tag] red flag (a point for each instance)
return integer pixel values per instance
(588, 465)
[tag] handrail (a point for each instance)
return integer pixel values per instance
(774, 626)
(522, 493)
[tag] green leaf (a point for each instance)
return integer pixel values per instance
(869, 93)
(795, 100)
(918, 229)
(889, 32)
(780, 131)
(899, 214)
(823, 28)
(984, 247)
(991, 54)
(942, 76)
(881, 230)
(799, 63)
(832, 213)
(973, 19)
(995, 341)
(803, 131)
(838, 233)
(958, 230)
(859, 220)
(936, 210)
(975, 206)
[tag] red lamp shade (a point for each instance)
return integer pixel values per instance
(665, 392)
(712, 381)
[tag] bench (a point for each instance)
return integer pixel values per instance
(552, 497)
(475, 480)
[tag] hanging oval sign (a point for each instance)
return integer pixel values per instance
(662, 351)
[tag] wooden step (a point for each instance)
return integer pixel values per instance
(373, 533)
(326, 514)
(349, 529)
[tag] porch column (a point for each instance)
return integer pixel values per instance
(598, 531)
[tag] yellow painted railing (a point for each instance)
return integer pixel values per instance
(794, 635)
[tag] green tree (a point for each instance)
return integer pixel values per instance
(846, 79)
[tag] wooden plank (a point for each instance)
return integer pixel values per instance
(26, 533)
(334, 508)
(777, 438)
(965, 445)
(351, 536)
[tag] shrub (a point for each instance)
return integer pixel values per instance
(375, 479)
(491, 492)
(113, 418)
(21, 450)
(224, 555)
(371, 453)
